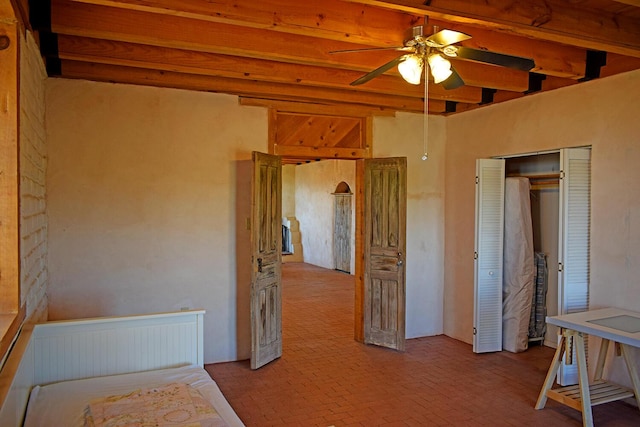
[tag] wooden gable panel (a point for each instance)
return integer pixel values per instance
(318, 136)
(318, 131)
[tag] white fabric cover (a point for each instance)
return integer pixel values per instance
(63, 404)
(519, 271)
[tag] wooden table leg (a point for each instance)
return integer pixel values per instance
(583, 377)
(633, 370)
(551, 374)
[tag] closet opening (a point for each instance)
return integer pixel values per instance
(530, 282)
(550, 195)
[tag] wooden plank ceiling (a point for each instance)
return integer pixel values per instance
(279, 50)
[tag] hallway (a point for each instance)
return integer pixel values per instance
(326, 378)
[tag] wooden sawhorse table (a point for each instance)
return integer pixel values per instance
(612, 325)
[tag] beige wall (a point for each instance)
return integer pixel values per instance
(402, 136)
(142, 192)
(142, 200)
(288, 190)
(33, 166)
(602, 113)
(314, 183)
(143, 189)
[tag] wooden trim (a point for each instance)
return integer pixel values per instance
(358, 323)
(9, 176)
(21, 10)
(367, 136)
(341, 110)
(320, 152)
(540, 181)
(12, 331)
(11, 366)
(272, 131)
(544, 176)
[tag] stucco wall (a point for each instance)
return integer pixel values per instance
(402, 136)
(288, 190)
(603, 114)
(33, 166)
(142, 199)
(314, 183)
(142, 192)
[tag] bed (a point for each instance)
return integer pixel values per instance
(84, 372)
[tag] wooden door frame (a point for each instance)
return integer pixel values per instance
(358, 322)
(364, 151)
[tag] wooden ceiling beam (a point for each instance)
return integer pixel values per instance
(489, 76)
(619, 64)
(182, 33)
(351, 110)
(552, 20)
(74, 18)
(550, 59)
(131, 75)
(329, 19)
(212, 64)
(635, 3)
(327, 109)
(202, 63)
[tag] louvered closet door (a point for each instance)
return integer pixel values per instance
(487, 323)
(573, 251)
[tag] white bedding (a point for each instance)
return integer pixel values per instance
(63, 404)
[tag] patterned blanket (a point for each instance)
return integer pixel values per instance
(166, 406)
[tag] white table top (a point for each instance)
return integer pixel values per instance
(627, 320)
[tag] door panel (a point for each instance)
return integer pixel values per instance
(384, 252)
(573, 250)
(266, 243)
(342, 232)
(487, 318)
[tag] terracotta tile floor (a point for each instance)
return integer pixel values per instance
(325, 378)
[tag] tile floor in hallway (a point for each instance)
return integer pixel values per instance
(326, 378)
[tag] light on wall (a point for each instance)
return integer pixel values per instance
(440, 68)
(411, 69)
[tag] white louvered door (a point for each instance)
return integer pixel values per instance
(573, 250)
(487, 319)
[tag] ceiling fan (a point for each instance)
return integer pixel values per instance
(431, 52)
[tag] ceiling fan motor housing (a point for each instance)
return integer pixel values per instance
(413, 35)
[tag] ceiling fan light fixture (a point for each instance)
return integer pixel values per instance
(411, 69)
(440, 68)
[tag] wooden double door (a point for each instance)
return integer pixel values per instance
(381, 220)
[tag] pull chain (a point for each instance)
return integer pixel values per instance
(425, 117)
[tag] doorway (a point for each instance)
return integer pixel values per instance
(380, 213)
(318, 195)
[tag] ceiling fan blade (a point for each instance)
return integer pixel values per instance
(446, 37)
(454, 81)
(510, 61)
(378, 71)
(370, 49)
